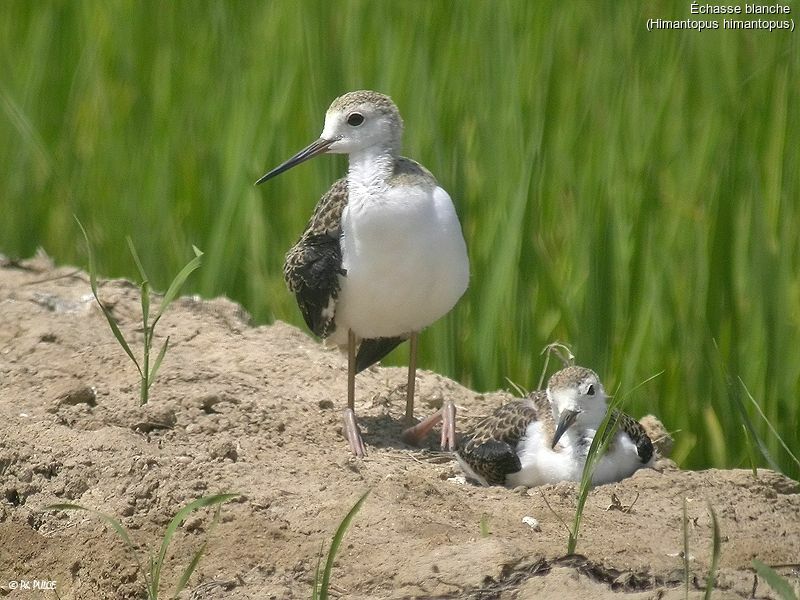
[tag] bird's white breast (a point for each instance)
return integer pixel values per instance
(404, 257)
(620, 461)
(540, 463)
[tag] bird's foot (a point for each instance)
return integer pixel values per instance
(448, 411)
(447, 416)
(353, 433)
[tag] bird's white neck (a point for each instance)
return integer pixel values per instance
(582, 438)
(370, 169)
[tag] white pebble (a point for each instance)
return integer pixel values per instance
(532, 523)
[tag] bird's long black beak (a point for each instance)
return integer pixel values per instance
(565, 421)
(319, 147)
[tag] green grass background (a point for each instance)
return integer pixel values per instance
(631, 193)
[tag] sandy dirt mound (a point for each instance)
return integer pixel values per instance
(256, 410)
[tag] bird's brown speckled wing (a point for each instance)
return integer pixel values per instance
(410, 172)
(313, 265)
(490, 448)
(644, 445)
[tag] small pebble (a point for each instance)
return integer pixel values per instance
(532, 523)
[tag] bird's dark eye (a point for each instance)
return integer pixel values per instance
(590, 391)
(355, 119)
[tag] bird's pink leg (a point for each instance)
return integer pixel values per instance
(351, 430)
(412, 376)
(447, 416)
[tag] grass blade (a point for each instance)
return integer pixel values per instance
(751, 451)
(190, 568)
(605, 432)
(685, 550)
(596, 450)
(109, 317)
(145, 293)
(137, 260)
(715, 550)
(92, 270)
(518, 389)
(782, 587)
(187, 572)
(157, 364)
(769, 424)
(114, 523)
(317, 582)
(146, 381)
(484, 526)
(564, 354)
(743, 414)
(118, 334)
(335, 543)
(152, 591)
(176, 522)
(180, 279)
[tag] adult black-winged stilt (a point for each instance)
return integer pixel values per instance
(383, 256)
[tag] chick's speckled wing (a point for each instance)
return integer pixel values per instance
(644, 445)
(490, 448)
(313, 265)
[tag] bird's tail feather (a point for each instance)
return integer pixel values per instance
(371, 351)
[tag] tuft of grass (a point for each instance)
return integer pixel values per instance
(321, 584)
(780, 585)
(155, 563)
(147, 373)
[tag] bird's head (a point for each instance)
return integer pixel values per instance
(354, 122)
(577, 397)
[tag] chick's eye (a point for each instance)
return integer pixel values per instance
(590, 391)
(355, 119)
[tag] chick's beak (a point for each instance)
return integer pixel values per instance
(565, 421)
